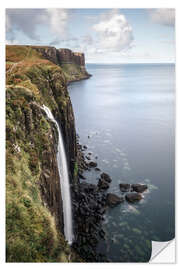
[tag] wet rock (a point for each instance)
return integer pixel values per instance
(89, 153)
(124, 187)
(113, 199)
(133, 197)
(81, 176)
(85, 187)
(88, 158)
(103, 184)
(97, 169)
(84, 146)
(139, 187)
(92, 164)
(102, 233)
(106, 177)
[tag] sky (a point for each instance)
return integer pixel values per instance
(104, 35)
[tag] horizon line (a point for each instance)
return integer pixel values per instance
(130, 63)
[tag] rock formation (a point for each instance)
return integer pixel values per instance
(34, 206)
(73, 63)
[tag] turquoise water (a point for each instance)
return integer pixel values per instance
(128, 113)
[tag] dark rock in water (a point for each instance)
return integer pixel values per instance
(88, 157)
(103, 184)
(89, 210)
(97, 169)
(124, 187)
(96, 157)
(85, 187)
(85, 147)
(81, 176)
(113, 199)
(106, 177)
(139, 187)
(102, 234)
(132, 197)
(92, 164)
(89, 153)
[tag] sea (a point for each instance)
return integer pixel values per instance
(125, 115)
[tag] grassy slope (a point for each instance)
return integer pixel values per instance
(31, 234)
(72, 72)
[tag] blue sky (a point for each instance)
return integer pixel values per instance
(104, 35)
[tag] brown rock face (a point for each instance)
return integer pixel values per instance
(79, 58)
(139, 187)
(65, 56)
(133, 197)
(112, 199)
(73, 61)
(50, 186)
(48, 52)
(61, 56)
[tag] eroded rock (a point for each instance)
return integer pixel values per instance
(103, 184)
(106, 177)
(112, 199)
(133, 197)
(124, 187)
(139, 187)
(92, 164)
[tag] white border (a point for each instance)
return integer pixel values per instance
(76, 4)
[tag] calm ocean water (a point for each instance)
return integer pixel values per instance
(128, 112)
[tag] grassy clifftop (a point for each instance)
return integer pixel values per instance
(33, 198)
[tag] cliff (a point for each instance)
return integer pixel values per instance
(72, 63)
(34, 219)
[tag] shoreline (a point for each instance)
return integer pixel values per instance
(79, 79)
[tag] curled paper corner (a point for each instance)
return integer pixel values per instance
(163, 252)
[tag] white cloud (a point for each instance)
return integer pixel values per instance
(58, 19)
(24, 20)
(164, 16)
(28, 20)
(114, 32)
(87, 39)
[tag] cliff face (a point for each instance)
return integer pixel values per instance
(34, 205)
(48, 52)
(65, 56)
(79, 58)
(72, 63)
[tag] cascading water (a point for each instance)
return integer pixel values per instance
(64, 181)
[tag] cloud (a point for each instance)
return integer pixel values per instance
(58, 19)
(87, 39)
(164, 16)
(28, 20)
(114, 32)
(24, 20)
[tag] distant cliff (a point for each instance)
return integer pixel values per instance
(73, 63)
(34, 220)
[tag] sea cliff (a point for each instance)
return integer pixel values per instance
(72, 63)
(37, 76)
(34, 219)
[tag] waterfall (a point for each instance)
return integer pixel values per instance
(64, 181)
